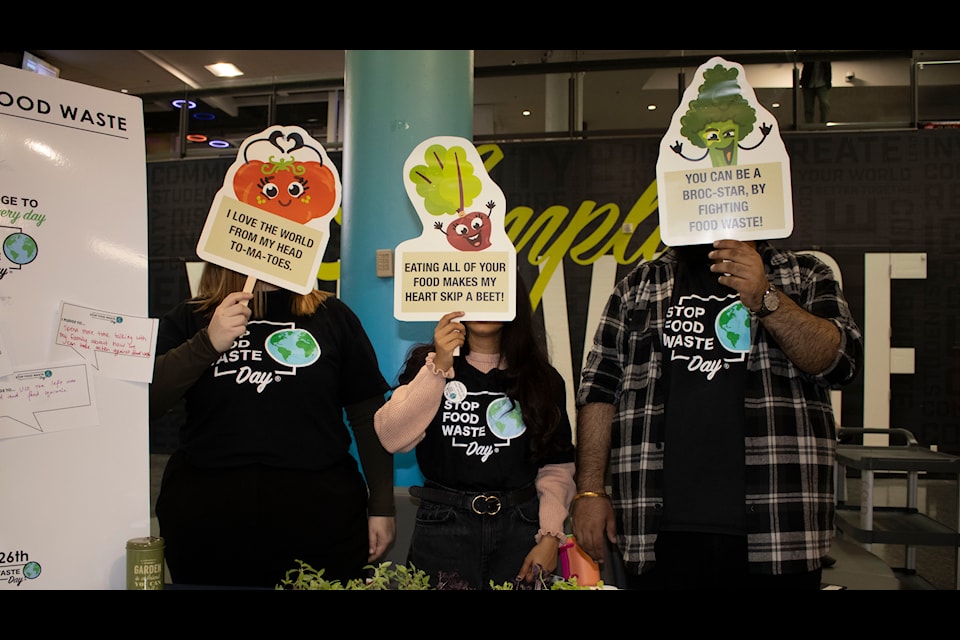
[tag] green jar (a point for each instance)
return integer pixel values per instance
(145, 570)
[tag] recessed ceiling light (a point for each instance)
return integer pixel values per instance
(203, 115)
(775, 105)
(525, 112)
(196, 137)
(219, 144)
(651, 107)
(223, 70)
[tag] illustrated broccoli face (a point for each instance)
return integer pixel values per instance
(719, 135)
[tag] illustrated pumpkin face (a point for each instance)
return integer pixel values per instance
(298, 191)
(470, 233)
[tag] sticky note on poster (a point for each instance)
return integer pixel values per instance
(271, 218)
(117, 345)
(463, 260)
(723, 170)
(46, 399)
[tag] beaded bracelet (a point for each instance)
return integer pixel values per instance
(590, 494)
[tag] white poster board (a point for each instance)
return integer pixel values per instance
(77, 347)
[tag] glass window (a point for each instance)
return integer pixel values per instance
(608, 92)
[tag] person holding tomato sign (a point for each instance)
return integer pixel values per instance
(268, 365)
(263, 476)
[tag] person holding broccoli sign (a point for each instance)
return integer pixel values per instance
(705, 398)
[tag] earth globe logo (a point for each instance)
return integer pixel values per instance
(293, 347)
(19, 248)
(31, 570)
(505, 418)
(733, 328)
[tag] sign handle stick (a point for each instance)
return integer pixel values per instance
(249, 285)
(456, 351)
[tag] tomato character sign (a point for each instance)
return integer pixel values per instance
(297, 190)
(271, 218)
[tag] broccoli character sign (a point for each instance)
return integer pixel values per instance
(723, 170)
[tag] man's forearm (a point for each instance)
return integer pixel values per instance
(809, 341)
(594, 422)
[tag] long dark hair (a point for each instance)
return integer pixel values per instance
(217, 282)
(529, 377)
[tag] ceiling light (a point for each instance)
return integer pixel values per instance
(525, 112)
(203, 115)
(651, 107)
(180, 102)
(775, 105)
(223, 70)
(196, 137)
(219, 144)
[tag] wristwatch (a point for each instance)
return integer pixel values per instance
(770, 302)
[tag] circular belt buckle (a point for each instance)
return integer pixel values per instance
(490, 505)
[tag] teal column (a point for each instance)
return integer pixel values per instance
(393, 100)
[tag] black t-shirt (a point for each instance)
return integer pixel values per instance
(477, 440)
(276, 397)
(706, 340)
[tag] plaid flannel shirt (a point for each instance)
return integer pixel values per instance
(788, 416)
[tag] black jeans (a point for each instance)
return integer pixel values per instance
(475, 548)
(711, 561)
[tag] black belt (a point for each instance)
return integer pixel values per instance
(488, 503)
